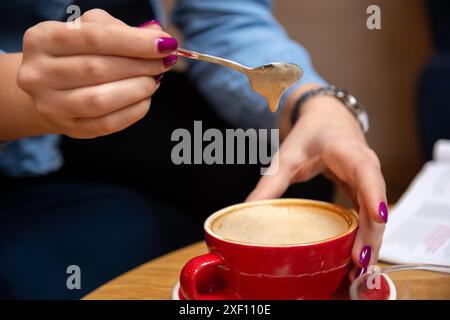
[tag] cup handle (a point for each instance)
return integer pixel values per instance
(190, 278)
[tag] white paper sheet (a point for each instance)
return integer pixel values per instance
(418, 230)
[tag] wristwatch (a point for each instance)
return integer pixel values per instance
(346, 98)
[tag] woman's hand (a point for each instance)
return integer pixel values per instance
(328, 139)
(94, 80)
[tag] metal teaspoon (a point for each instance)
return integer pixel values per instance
(270, 80)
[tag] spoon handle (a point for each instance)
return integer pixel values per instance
(428, 267)
(208, 58)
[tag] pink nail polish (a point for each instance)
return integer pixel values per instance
(359, 272)
(383, 211)
(364, 256)
(158, 78)
(166, 44)
(148, 23)
(170, 60)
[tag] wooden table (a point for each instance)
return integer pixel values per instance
(157, 278)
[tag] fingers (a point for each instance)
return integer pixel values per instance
(344, 186)
(357, 165)
(109, 39)
(168, 61)
(372, 191)
(359, 169)
(113, 122)
(95, 79)
(88, 70)
(367, 181)
(289, 165)
(367, 244)
(100, 16)
(368, 239)
(281, 174)
(106, 98)
(155, 24)
(274, 184)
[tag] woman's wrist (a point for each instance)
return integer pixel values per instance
(285, 118)
(326, 115)
(320, 111)
(19, 117)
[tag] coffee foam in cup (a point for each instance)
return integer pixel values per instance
(284, 224)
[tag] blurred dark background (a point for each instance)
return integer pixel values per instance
(401, 73)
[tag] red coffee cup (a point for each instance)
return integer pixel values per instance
(235, 270)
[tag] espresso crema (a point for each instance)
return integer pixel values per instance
(279, 224)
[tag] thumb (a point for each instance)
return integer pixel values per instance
(153, 24)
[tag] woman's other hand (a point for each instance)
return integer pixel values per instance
(94, 80)
(328, 139)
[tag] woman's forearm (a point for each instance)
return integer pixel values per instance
(18, 116)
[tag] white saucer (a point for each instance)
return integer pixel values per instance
(392, 289)
(175, 291)
(393, 295)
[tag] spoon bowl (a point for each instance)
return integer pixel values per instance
(270, 80)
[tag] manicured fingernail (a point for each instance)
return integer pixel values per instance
(364, 256)
(148, 23)
(383, 211)
(166, 44)
(359, 272)
(158, 77)
(170, 60)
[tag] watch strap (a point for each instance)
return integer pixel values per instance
(347, 99)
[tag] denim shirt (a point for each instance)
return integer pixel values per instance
(242, 30)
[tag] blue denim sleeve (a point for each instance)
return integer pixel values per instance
(245, 31)
(30, 156)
